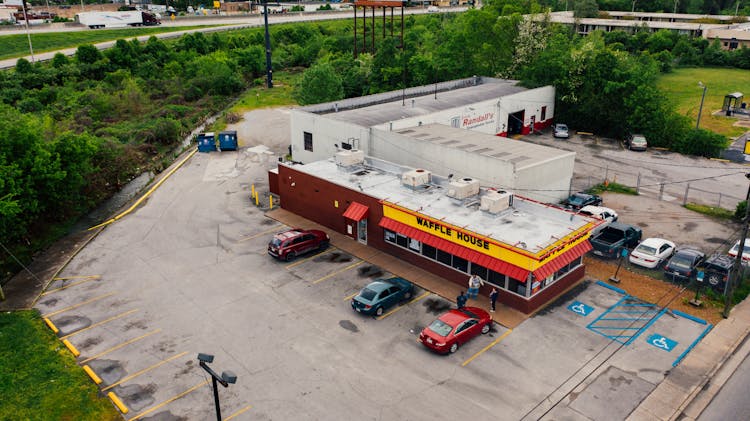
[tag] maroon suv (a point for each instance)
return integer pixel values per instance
(289, 244)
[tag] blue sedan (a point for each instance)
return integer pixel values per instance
(378, 296)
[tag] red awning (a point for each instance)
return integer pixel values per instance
(356, 211)
(489, 262)
(560, 261)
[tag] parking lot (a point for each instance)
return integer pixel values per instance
(188, 272)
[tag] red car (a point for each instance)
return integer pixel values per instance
(289, 244)
(454, 328)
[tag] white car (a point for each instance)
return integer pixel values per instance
(600, 212)
(745, 251)
(652, 252)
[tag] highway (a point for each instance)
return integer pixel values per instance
(228, 23)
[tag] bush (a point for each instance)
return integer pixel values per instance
(740, 210)
(700, 142)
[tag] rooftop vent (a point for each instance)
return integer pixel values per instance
(348, 158)
(461, 188)
(415, 178)
(496, 201)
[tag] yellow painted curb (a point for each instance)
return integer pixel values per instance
(91, 374)
(71, 347)
(51, 325)
(118, 403)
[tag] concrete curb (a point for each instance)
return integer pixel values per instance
(688, 389)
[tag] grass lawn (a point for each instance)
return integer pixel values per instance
(17, 45)
(681, 87)
(259, 96)
(39, 378)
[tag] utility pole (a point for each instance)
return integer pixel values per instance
(738, 269)
(269, 70)
(700, 110)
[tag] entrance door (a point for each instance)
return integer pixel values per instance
(362, 231)
(515, 123)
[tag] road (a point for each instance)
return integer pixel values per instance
(731, 402)
(228, 23)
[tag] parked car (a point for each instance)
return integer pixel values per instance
(433, 9)
(651, 252)
(636, 142)
(609, 241)
(560, 131)
(683, 265)
(745, 251)
(382, 294)
(454, 328)
(578, 200)
(606, 214)
(289, 244)
(716, 271)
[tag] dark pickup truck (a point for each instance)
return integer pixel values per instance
(609, 241)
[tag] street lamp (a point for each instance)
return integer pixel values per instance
(700, 110)
(738, 270)
(225, 379)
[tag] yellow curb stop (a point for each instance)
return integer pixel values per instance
(71, 347)
(51, 325)
(118, 403)
(91, 374)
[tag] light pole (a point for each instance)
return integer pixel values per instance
(225, 379)
(269, 70)
(700, 110)
(633, 8)
(28, 34)
(738, 270)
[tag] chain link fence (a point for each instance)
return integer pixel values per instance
(654, 187)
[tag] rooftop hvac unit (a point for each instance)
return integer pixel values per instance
(350, 157)
(415, 178)
(495, 201)
(462, 188)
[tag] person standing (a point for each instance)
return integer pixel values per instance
(461, 300)
(493, 299)
(474, 283)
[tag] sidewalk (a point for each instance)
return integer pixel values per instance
(504, 315)
(691, 386)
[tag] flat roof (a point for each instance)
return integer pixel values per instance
(520, 154)
(396, 108)
(528, 225)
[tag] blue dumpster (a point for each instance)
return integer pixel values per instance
(206, 142)
(228, 140)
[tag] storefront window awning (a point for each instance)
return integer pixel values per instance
(356, 211)
(562, 260)
(489, 262)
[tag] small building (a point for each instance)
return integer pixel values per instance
(450, 226)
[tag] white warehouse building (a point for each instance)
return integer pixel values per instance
(458, 128)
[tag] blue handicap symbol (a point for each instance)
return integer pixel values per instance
(662, 342)
(580, 308)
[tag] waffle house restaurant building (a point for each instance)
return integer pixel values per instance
(452, 227)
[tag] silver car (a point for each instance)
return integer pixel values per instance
(561, 131)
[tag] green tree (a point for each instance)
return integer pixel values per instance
(319, 83)
(585, 9)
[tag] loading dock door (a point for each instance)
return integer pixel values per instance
(515, 122)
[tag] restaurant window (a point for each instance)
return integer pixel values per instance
(516, 286)
(444, 257)
(401, 240)
(390, 236)
(497, 279)
(479, 270)
(429, 252)
(460, 264)
(308, 141)
(415, 245)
